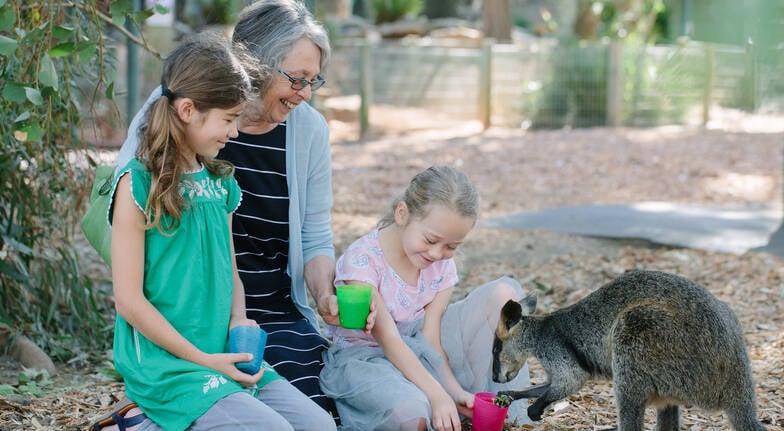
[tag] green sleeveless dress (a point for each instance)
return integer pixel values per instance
(188, 277)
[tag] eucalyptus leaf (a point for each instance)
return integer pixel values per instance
(7, 18)
(110, 91)
(119, 9)
(33, 95)
(62, 32)
(140, 16)
(24, 116)
(13, 92)
(7, 46)
(47, 74)
(86, 52)
(62, 50)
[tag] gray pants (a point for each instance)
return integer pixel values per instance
(279, 406)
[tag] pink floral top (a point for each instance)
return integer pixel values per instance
(364, 261)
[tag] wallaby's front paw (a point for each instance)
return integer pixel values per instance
(534, 413)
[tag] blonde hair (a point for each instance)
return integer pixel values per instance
(437, 184)
(206, 70)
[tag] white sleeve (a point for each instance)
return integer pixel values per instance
(128, 149)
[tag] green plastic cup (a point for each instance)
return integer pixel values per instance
(354, 305)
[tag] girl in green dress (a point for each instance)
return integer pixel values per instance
(176, 287)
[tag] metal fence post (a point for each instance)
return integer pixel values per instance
(707, 95)
(365, 87)
(486, 82)
(750, 78)
(132, 71)
(614, 84)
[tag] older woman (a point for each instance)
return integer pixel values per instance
(282, 229)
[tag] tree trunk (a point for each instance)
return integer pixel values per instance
(497, 20)
(586, 25)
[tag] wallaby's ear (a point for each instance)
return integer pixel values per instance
(529, 304)
(511, 313)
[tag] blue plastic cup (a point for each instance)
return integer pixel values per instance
(248, 339)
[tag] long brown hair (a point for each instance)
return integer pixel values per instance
(207, 70)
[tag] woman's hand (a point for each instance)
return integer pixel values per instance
(226, 364)
(327, 307)
(444, 417)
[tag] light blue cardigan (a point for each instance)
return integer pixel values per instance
(309, 167)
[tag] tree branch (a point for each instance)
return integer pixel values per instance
(132, 37)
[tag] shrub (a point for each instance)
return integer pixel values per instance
(54, 65)
(393, 10)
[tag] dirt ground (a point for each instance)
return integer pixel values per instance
(734, 164)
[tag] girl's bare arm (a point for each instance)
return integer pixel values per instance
(128, 279)
(432, 332)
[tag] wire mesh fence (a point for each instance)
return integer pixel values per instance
(546, 85)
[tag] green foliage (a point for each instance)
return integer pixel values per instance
(111, 373)
(576, 93)
(393, 10)
(54, 68)
(217, 11)
(502, 400)
(30, 382)
(643, 21)
(34, 382)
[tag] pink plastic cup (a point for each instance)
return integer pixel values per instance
(487, 416)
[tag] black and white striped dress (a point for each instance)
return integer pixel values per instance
(261, 232)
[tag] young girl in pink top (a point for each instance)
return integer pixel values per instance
(424, 359)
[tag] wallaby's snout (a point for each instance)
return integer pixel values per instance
(503, 371)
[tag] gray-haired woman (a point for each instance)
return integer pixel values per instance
(283, 238)
(282, 230)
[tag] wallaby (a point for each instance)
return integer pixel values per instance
(662, 339)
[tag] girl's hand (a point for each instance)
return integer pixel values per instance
(445, 417)
(371, 319)
(225, 363)
(242, 321)
(465, 404)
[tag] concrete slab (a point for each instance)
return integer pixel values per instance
(715, 229)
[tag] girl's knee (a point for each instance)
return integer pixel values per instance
(316, 418)
(501, 291)
(409, 415)
(418, 424)
(241, 411)
(508, 288)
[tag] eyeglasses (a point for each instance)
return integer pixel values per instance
(301, 83)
